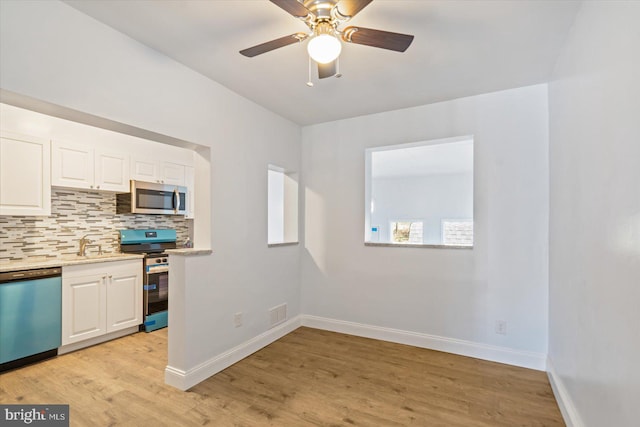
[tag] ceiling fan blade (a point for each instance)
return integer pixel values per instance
(327, 70)
(351, 7)
(273, 44)
(377, 38)
(292, 7)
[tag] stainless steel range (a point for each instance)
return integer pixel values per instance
(152, 243)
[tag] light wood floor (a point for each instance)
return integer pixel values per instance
(310, 377)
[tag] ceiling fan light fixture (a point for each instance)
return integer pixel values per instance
(324, 48)
(324, 17)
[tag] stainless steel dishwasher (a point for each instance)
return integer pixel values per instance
(30, 316)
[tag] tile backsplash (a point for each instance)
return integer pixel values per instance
(75, 213)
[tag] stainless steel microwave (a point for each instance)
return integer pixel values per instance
(152, 198)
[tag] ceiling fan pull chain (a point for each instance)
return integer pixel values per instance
(309, 82)
(338, 73)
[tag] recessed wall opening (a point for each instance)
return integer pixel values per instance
(282, 206)
(420, 193)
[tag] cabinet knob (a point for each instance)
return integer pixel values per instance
(97, 186)
(110, 276)
(91, 186)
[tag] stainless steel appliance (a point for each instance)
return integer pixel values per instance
(152, 243)
(152, 198)
(30, 316)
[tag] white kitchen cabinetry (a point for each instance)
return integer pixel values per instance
(79, 166)
(172, 173)
(25, 177)
(112, 171)
(159, 171)
(100, 298)
(83, 307)
(145, 170)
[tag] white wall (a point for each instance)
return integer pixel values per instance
(445, 292)
(52, 52)
(594, 322)
(429, 198)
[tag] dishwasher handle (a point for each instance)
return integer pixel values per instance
(39, 273)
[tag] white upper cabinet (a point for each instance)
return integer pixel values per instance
(61, 153)
(157, 170)
(111, 171)
(79, 166)
(172, 173)
(72, 165)
(25, 175)
(143, 169)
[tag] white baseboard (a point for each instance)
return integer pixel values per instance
(184, 380)
(492, 353)
(567, 408)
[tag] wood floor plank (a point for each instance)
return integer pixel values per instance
(307, 378)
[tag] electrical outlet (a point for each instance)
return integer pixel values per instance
(237, 319)
(501, 327)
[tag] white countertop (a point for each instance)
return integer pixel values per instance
(43, 262)
(189, 251)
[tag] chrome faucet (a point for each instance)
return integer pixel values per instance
(83, 245)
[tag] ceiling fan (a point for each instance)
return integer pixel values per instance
(324, 17)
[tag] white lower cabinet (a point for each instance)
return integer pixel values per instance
(83, 307)
(100, 298)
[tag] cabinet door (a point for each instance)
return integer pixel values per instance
(25, 177)
(124, 296)
(145, 170)
(83, 308)
(172, 173)
(72, 165)
(112, 171)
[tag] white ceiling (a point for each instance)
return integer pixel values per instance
(461, 48)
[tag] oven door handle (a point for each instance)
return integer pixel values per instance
(159, 269)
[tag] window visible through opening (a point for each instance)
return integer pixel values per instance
(406, 232)
(457, 233)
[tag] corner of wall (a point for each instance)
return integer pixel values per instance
(565, 403)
